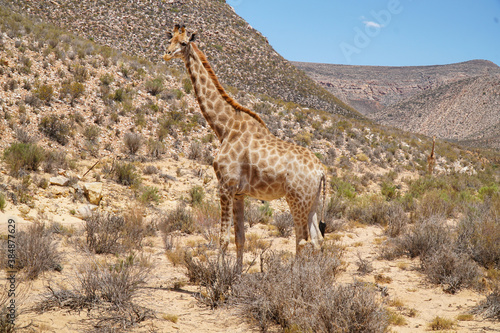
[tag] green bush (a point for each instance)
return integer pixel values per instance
(196, 195)
(126, 174)
(149, 195)
(3, 202)
(154, 87)
(45, 92)
(27, 156)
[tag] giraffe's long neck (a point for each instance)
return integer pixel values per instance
(218, 108)
(212, 104)
(433, 143)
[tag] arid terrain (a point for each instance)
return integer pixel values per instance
(105, 169)
(455, 102)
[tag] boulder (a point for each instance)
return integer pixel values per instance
(93, 192)
(85, 211)
(59, 180)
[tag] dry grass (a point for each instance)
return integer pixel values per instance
(106, 290)
(36, 251)
(300, 294)
(215, 276)
(107, 233)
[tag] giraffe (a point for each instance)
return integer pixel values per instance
(251, 160)
(431, 159)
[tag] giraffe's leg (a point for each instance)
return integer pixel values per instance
(239, 229)
(299, 213)
(226, 208)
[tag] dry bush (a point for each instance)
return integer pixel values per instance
(424, 238)
(36, 251)
(479, 232)
(284, 224)
(370, 210)
(396, 218)
(215, 277)
(207, 217)
(252, 214)
(178, 219)
(55, 159)
(108, 233)
(133, 142)
(435, 203)
(300, 294)
(106, 290)
(54, 127)
(490, 307)
(452, 270)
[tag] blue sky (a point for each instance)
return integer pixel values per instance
(378, 32)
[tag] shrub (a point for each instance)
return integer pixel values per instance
(55, 159)
(45, 92)
(27, 156)
(490, 307)
(107, 233)
(424, 239)
(207, 217)
(342, 188)
(435, 203)
(3, 202)
(440, 323)
(107, 288)
(187, 85)
(150, 194)
(479, 233)
(450, 269)
(126, 174)
(284, 224)
(196, 195)
(215, 277)
(369, 210)
(55, 128)
(133, 141)
(36, 251)
(266, 212)
(195, 151)
(104, 232)
(91, 133)
(300, 294)
(154, 87)
(177, 219)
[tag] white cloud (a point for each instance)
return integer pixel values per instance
(372, 24)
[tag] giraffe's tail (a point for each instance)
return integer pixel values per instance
(322, 224)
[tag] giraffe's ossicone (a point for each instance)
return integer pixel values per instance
(251, 161)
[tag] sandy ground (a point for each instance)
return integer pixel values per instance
(416, 300)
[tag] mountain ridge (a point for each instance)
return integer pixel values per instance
(240, 55)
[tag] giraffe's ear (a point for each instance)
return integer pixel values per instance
(169, 35)
(193, 37)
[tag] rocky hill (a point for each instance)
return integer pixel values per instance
(456, 102)
(371, 88)
(240, 55)
(468, 109)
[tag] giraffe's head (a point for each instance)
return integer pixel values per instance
(178, 40)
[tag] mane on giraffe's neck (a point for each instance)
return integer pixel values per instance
(236, 106)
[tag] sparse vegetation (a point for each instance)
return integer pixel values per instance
(36, 251)
(27, 156)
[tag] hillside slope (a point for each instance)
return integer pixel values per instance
(371, 88)
(466, 109)
(240, 55)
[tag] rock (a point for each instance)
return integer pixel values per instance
(59, 180)
(93, 192)
(23, 209)
(85, 211)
